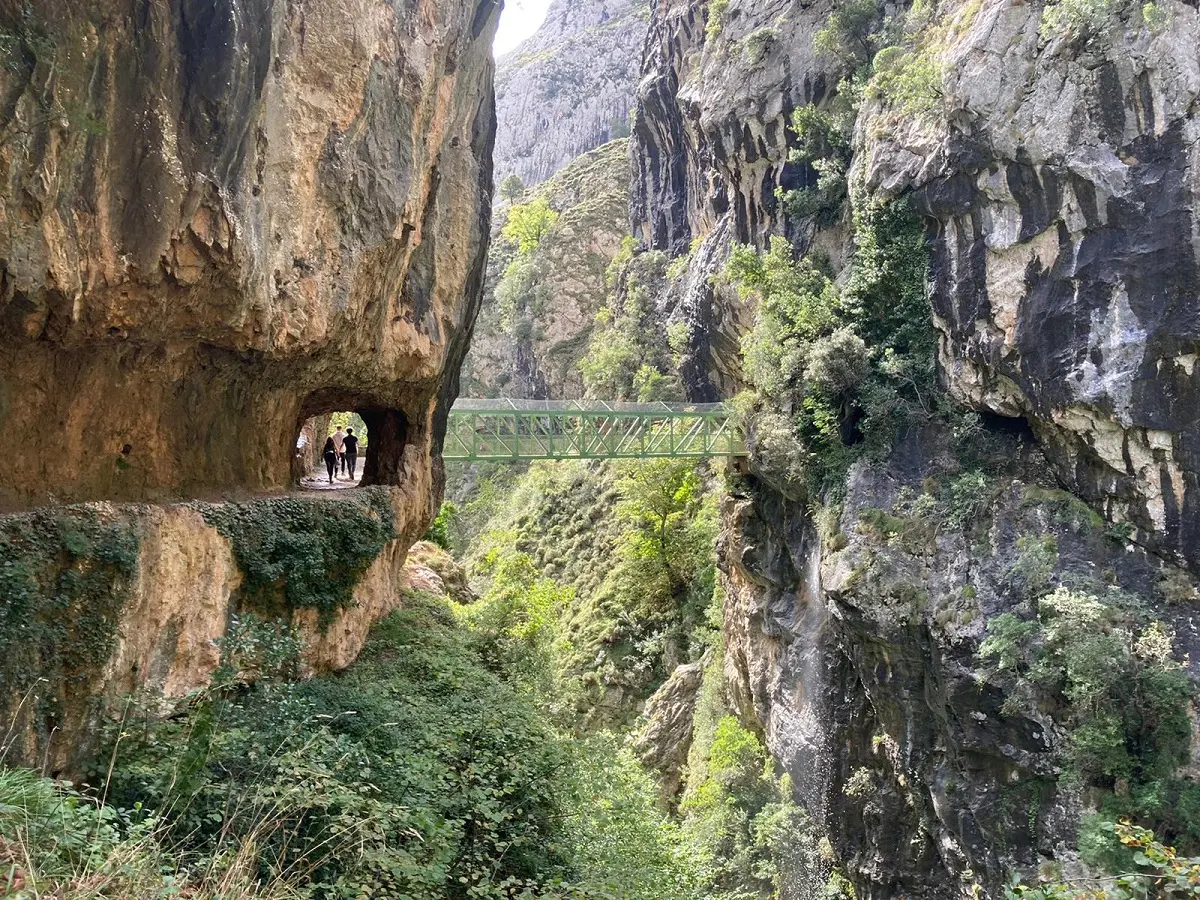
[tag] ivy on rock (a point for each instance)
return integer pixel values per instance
(297, 553)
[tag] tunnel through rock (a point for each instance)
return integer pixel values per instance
(382, 433)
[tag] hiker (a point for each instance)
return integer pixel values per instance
(351, 444)
(331, 457)
(339, 446)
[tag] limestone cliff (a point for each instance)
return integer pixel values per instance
(710, 146)
(218, 219)
(569, 88)
(1061, 181)
(1053, 167)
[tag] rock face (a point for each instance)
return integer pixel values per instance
(78, 644)
(860, 665)
(218, 219)
(1062, 182)
(665, 737)
(536, 319)
(569, 88)
(710, 132)
(709, 148)
(1057, 178)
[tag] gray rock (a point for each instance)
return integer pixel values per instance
(569, 88)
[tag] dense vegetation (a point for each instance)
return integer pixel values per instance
(64, 579)
(836, 371)
(474, 750)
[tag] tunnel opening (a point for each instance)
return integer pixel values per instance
(340, 448)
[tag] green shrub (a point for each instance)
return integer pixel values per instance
(759, 43)
(65, 577)
(849, 35)
(848, 367)
(1156, 16)
(297, 553)
(910, 80)
(628, 356)
(528, 224)
(442, 530)
(1147, 864)
(1115, 684)
(419, 772)
(715, 21)
(970, 496)
(1076, 19)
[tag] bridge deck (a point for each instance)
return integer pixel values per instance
(579, 429)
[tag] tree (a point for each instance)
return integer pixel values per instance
(512, 188)
(660, 505)
(528, 223)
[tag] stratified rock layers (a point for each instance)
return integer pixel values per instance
(221, 217)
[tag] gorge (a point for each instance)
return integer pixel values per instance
(933, 638)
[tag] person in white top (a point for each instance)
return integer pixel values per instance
(339, 445)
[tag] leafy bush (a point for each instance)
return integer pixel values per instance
(745, 833)
(850, 35)
(1125, 700)
(420, 772)
(1156, 16)
(970, 496)
(715, 22)
(522, 294)
(628, 356)
(1161, 872)
(621, 843)
(64, 579)
(909, 79)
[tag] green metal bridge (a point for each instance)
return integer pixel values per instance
(589, 429)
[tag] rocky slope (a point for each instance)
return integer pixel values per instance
(569, 88)
(1052, 161)
(220, 219)
(529, 343)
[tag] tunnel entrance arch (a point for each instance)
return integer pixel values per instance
(383, 434)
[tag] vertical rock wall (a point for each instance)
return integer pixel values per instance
(1057, 178)
(221, 217)
(1063, 180)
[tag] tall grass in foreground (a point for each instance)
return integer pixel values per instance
(56, 842)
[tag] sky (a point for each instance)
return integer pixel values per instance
(519, 20)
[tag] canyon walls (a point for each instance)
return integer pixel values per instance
(1051, 164)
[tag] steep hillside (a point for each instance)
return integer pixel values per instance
(540, 302)
(569, 88)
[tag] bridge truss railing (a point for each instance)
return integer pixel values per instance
(568, 429)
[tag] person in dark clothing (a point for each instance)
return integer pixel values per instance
(331, 457)
(351, 457)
